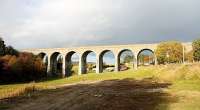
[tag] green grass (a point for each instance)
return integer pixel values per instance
(189, 85)
(187, 93)
(95, 77)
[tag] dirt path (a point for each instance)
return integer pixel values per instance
(105, 95)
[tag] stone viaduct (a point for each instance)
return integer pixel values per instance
(66, 53)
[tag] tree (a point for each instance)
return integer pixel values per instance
(7, 50)
(128, 59)
(2, 47)
(171, 52)
(28, 67)
(15, 66)
(196, 49)
(11, 51)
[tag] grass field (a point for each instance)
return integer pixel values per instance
(184, 80)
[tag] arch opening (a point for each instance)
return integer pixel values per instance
(146, 57)
(44, 58)
(125, 60)
(56, 64)
(89, 62)
(72, 64)
(106, 61)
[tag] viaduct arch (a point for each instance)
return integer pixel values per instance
(82, 52)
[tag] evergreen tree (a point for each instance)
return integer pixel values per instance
(2, 47)
(11, 51)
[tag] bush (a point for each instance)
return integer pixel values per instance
(25, 67)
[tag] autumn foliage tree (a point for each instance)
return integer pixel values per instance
(171, 52)
(25, 67)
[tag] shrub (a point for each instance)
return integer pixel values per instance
(25, 67)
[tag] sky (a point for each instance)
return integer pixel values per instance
(70, 23)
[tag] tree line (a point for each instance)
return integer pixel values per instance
(18, 66)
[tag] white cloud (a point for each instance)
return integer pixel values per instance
(63, 23)
(71, 21)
